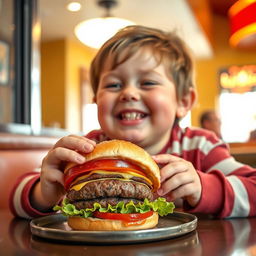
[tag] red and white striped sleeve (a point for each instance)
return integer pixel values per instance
(237, 182)
(228, 186)
(19, 202)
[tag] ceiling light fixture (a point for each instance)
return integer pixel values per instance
(94, 32)
(242, 16)
(74, 6)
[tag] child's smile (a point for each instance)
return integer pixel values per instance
(131, 117)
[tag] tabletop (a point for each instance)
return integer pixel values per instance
(212, 237)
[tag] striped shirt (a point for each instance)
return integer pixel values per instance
(228, 186)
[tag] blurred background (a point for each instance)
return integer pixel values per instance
(44, 87)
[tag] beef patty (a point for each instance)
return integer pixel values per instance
(109, 191)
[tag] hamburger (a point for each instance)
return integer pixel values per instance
(113, 189)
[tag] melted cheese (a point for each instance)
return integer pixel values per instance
(126, 176)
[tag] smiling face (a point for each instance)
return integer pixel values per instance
(137, 102)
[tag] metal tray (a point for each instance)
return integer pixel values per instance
(55, 227)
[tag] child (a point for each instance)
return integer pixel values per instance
(143, 84)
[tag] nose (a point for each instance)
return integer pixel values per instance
(130, 93)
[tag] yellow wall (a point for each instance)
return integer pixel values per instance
(61, 61)
(53, 72)
(207, 70)
(78, 56)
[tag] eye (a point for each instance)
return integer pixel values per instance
(149, 83)
(113, 86)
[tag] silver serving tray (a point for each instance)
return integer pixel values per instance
(55, 227)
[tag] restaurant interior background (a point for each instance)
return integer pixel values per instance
(44, 88)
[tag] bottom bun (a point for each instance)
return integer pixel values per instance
(79, 223)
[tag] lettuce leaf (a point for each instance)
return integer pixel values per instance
(160, 205)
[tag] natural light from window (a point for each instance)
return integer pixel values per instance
(90, 118)
(238, 115)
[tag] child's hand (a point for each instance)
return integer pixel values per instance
(179, 179)
(50, 189)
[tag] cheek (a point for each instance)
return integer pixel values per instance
(104, 104)
(163, 104)
(102, 113)
(102, 108)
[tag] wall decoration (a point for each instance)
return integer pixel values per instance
(239, 79)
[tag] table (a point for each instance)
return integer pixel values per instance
(213, 237)
(244, 152)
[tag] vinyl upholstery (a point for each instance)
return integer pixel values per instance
(19, 154)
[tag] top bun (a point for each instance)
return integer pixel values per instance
(127, 151)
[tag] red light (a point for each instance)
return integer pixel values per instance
(243, 24)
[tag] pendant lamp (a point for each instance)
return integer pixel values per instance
(242, 15)
(94, 32)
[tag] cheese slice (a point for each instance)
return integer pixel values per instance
(80, 185)
(126, 176)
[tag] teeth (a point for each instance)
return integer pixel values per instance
(132, 116)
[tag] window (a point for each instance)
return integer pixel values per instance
(237, 102)
(20, 87)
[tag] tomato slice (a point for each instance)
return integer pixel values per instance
(100, 164)
(126, 217)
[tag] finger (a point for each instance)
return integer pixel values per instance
(78, 143)
(174, 183)
(52, 176)
(165, 158)
(188, 192)
(183, 191)
(92, 142)
(52, 186)
(171, 169)
(58, 155)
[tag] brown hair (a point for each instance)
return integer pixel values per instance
(165, 46)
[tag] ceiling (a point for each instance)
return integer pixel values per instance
(187, 17)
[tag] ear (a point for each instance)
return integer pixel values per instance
(186, 103)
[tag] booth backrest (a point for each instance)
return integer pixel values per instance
(19, 154)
